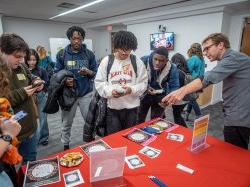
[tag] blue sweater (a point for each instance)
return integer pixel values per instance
(74, 61)
(196, 66)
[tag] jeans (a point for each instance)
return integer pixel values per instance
(43, 131)
(120, 119)
(68, 116)
(177, 111)
(193, 104)
(147, 102)
(28, 148)
(5, 180)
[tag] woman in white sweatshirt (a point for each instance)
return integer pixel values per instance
(126, 81)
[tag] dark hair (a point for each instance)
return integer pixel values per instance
(180, 61)
(11, 43)
(72, 29)
(195, 49)
(30, 53)
(161, 51)
(217, 38)
(125, 40)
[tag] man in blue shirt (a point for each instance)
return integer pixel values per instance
(81, 62)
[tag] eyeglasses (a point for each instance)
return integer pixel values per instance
(205, 49)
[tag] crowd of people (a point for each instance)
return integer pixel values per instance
(119, 91)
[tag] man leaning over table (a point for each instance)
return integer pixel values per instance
(233, 69)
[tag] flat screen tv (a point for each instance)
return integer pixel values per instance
(165, 39)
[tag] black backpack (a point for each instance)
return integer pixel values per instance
(100, 126)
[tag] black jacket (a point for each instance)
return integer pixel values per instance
(59, 94)
(96, 118)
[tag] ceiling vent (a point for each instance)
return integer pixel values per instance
(67, 5)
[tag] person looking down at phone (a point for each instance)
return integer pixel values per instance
(163, 79)
(31, 60)
(12, 52)
(123, 85)
(9, 129)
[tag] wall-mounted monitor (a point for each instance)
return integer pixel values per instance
(165, 39)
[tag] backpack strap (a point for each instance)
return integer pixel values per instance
(167, 78)
(111, 61)
(133, 62)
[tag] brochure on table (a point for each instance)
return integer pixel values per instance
(200, 134)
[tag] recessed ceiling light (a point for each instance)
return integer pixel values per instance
(78, 8)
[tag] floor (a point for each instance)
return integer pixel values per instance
(55, 145)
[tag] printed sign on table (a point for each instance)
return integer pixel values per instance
(200, 134)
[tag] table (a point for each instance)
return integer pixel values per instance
(222, 164)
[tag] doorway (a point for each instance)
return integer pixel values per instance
(245, 39)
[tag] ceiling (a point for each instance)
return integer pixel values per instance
(44, 9)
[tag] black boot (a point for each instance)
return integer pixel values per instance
(66, 147)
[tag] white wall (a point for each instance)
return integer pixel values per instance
(1, 27)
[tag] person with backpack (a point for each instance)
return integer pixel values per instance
(163, 79)
(196, 66)
(122, 79)
(181, 63)
(79, 60)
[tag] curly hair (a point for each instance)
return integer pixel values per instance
(4, 81)
(72, 29)
(195, 49)
(125, 40)
(10, 43)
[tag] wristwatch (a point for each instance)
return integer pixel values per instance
(6, 138)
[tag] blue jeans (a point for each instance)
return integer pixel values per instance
(28, 148)
(43, 130)
(193, 104)
(5, 180)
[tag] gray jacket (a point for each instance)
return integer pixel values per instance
(234, 70)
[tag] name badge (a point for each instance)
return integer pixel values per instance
(71, 63)
(21, 77)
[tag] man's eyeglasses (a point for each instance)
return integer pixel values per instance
(205, 49)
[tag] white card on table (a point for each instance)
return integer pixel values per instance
(150, 152)
(176, 137)
(134, 161)
(73, 178)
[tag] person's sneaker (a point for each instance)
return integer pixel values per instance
(66, 147)
(46, 142)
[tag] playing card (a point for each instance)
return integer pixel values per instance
(176, 137)
(150, 152)
(98, 145)
(73, 178)
(134, 161)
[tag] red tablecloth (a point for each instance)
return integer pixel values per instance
(220, 165)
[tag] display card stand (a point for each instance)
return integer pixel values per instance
(107, 164)
(199, 139)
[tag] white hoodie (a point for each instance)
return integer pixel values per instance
(121, 74)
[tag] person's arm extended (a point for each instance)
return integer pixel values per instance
(178, 95)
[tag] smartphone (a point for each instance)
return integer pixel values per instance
(19, 115)
(37, 83)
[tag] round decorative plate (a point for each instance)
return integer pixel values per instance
(138, 137)
(150, 153)
(96, 148)
(42, 171)
(162, 124)
(135, 161)
(71, 159)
